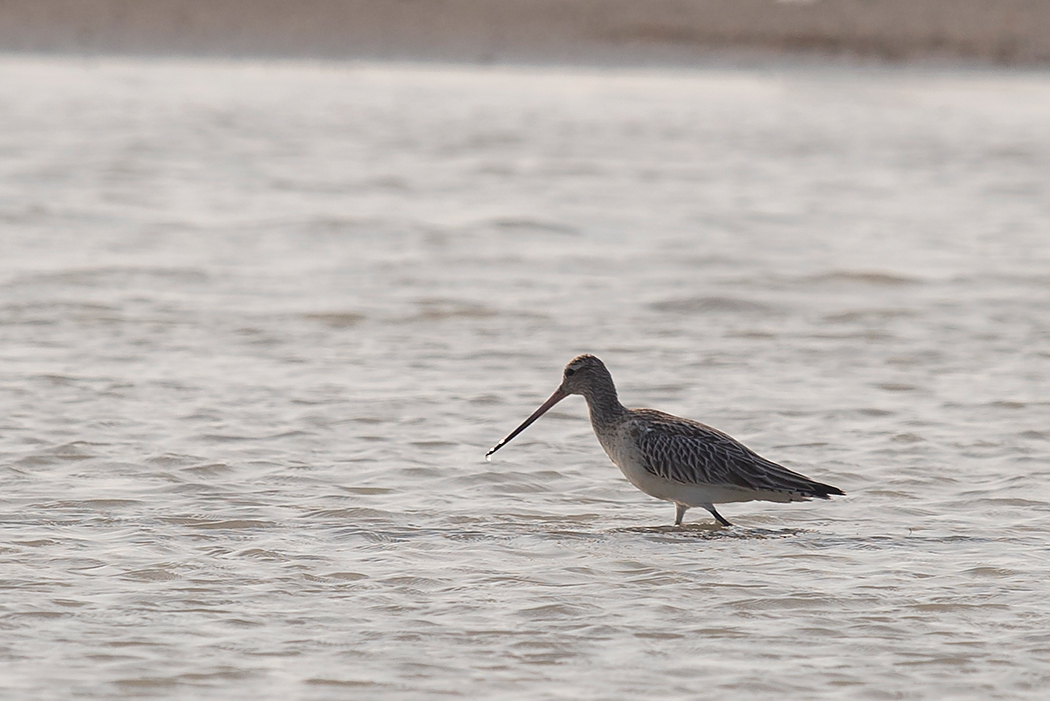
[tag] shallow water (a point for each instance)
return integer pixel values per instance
(260, 322)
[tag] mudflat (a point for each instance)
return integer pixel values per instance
(550, 31)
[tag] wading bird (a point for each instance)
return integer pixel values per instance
(674, 459)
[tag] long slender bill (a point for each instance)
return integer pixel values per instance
(559, 394)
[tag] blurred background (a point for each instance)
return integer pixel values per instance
(994, 31)
(275, 275)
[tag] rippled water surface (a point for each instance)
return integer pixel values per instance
(259, 324)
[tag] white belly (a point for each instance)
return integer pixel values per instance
(623, 451)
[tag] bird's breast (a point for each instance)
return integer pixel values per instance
(620, 443)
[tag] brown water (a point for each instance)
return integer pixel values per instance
(259, 324)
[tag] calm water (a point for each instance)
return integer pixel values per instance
(259, 324)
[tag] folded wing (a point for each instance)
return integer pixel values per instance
(690, 452)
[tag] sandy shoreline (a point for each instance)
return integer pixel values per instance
(1011, 32)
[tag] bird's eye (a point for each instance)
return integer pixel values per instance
(569, 372)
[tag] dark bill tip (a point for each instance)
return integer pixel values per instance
(559, 394)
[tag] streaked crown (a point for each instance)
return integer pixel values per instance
(584, 373)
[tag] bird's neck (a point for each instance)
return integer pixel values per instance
(604, 405)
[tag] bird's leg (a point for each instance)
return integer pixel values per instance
(679, 513)
(718, 516)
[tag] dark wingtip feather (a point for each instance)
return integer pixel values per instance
(826, 491)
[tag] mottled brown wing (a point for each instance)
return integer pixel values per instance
(692, 453)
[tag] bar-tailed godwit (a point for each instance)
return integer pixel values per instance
(674, 459)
